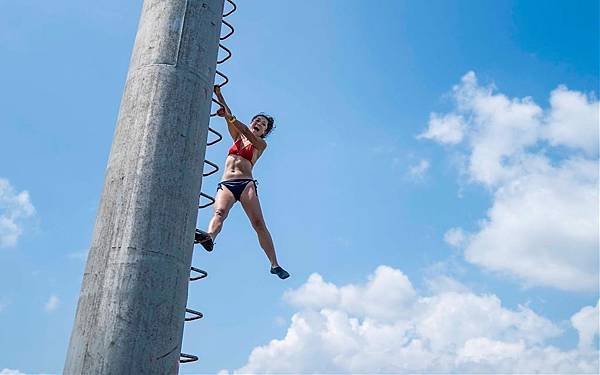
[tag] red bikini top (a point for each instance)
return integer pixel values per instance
(247, 152)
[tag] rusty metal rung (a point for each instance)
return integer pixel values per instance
(187, 358)
(212, 200)
(196, 315)
(215, 168)
(202, 273)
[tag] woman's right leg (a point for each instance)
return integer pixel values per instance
(224, 200)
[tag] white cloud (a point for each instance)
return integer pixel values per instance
(573, 120)
(385, 291)
(586, 323)
(500, 129)
(444, 284)
(542, 227)
(52, 304)
(447, 331)
(14, 209)
(447, 129)
(419, 170)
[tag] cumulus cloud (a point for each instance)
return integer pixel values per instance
(573, 120)
(586, 323)
(386, 291)
(344, 329)
(542, 226)
(443, 284)
(15, 208)
(52, 303)
(447, 129)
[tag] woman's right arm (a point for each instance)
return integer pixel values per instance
(224, 111)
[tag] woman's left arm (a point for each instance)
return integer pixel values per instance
(258, 142)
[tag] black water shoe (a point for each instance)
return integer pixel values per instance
(283, 274)
(204, 239)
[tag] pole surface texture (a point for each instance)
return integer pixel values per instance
(132, 304)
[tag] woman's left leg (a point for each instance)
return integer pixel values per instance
(251, 205)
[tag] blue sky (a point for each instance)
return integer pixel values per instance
(403, 140)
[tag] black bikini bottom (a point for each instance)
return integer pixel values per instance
(236, 186)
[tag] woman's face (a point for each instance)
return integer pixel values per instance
(258, 126)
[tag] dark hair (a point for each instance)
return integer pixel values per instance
(270, 123)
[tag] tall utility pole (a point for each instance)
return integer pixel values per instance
(133, 298)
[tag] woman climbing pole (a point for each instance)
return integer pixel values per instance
(238, 184)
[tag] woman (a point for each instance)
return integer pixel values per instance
(239, 185)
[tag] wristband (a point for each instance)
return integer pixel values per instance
(232, 119)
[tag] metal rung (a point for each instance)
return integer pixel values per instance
(215, 170)
(183, 357)
(212, 200)
(224, 77)
(187, 358)
(197, 315)
(216, 140)
(228, 54)
(231, 30)
(202, 273)
(218, 102)
(231, 11)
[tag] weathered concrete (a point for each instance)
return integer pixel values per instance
(131, 309)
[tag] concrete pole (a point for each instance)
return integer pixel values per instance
(131, 309)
